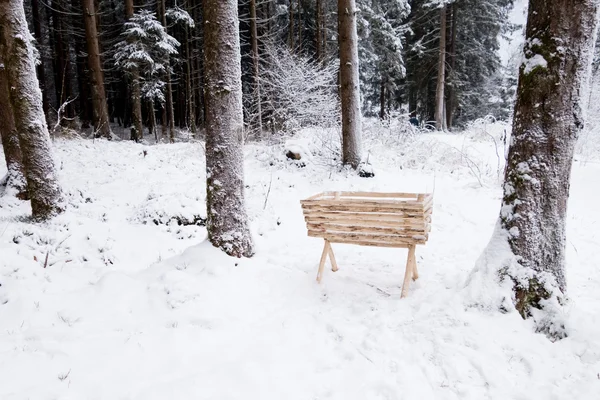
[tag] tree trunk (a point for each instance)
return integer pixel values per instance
(227, 222)
(450, 95)
(37, 30)
(382, 99)
(15, 179)
(137, 132)
(190, 92)
(319, 33)
(152, 120)
(349, 82)
(300, 26)
(96, 75)
(440, 122)
(169, 94)
(255, 62)
(16, 53)
(546, 124)
(61, 56)
(291, 27)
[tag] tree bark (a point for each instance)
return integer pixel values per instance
(169, 93)
(349, 82)
(37, 31)
(440, 122)
(10, 140)
(16, 53)
(61, 56)
(291, 27)
(96, 75)
(547, 121)
(382, 99)
(190, 92)
(450, 95)
(319, 32)
(137, 132)
(255, 64)
(227, 222)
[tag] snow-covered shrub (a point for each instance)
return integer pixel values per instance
(296, 92)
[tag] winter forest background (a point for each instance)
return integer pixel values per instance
(296, 50)
(152, 243)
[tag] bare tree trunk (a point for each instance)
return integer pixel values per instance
(382, 99)
(531, 228)
(10, 140)
(450, 89)
(16, 53)
(349, 82)
(169, 94)
(190, 92)
(61, 56)
(227, 223)
(255, 61)
(137, 132)
(319, 32)
(291, 27)
(100, 115)
(300, 26)
(440, 122)
(152, 117)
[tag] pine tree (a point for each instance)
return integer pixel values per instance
(528, 247)
(227, 222)
(144, 52)
(17, 55)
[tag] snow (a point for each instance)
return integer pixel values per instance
(127, 309)
(533, 62)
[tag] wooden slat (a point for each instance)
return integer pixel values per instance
(377, 194)
(399, 204)
(360, 216)
(361, 208)
(404, 232)
(350, 237)
(400, 224)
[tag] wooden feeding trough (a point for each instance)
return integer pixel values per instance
(401, 220)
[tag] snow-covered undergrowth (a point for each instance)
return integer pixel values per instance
(116, 300)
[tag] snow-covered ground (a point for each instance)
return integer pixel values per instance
(128, 309)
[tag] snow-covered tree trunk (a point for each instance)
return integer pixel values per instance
(15, 179)
(349, 82)
(16, 53)
(227, 222)
(136, 95)
(96, 75)
(440, 121)
(528, 246)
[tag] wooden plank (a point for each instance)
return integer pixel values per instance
(398, 195)
(417, 224)
(401, 205)
(359, 216)
(361, 208)
(399, 231)
(351, 237)
(334, 266)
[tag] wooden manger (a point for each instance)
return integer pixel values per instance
(401, 220)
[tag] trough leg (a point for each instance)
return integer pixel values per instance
(408, 274)
(323, 259)
(415, 272)
(334, 266)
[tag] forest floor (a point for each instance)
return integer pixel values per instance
(103, 303)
